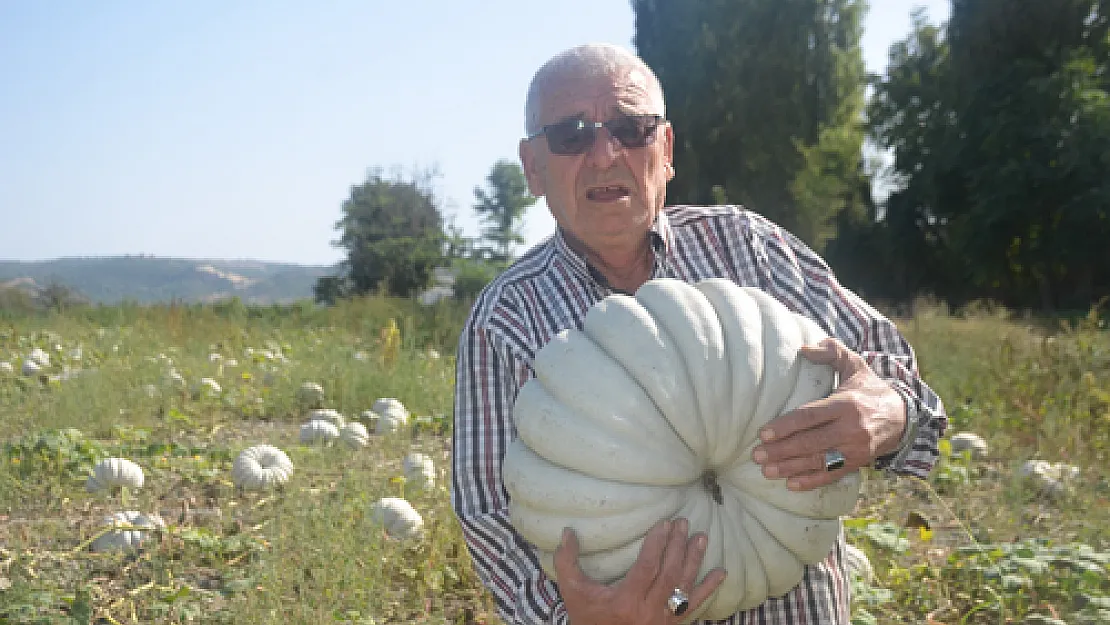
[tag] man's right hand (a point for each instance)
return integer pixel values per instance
(667, 560)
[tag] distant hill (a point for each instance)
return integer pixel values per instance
(148, 279)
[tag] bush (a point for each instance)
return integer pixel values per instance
(473, 276)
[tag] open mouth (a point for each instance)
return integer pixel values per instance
(608, 193)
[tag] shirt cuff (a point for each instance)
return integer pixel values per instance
(913, 418)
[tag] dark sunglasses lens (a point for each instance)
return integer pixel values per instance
(633, 132)
(569, 137)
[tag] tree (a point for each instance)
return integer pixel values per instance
(911, 114)
(1001, 128)
(393, 233)
(501, 207)
(766, 99)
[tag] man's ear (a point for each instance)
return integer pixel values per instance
(528, 158)
(668, 150)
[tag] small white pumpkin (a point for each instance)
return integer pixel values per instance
(398, 517)
(370, 418)
(392, 415)
(207, 387)
(40, 357)
(330, 415)
(858, 563)
(311, 395)
(354, 434)
(30, 367)
(318, 431)
(115, 473)
(175, 379)
(1048, 478)
(969, 441)
(261, 467)
(651, 412)
(133, 530)
(420, 470)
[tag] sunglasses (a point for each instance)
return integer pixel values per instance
(575, 136)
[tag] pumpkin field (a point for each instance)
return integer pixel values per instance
(143, 414)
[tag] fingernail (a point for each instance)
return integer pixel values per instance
(566, 534)
(771, 471)
(760, 455)
(793, 484)
(767, 435)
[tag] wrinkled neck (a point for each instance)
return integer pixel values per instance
(625, 268)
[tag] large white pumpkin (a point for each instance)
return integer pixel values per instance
(971, 442)
(330, 415)
(115, 473)
(261, 467)
(420, 470)
(651, 412)
(318, 431)
(354, 434)
(392, 415)
(126, 530)
(397, 517)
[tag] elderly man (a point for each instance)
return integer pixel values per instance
(599, 148)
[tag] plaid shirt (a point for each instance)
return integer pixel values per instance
(551, 288)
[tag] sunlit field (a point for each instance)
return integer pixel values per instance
(983, 541)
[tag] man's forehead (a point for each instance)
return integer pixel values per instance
(577, 94)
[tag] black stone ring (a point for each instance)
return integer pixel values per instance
(678, 602)
(834, 460)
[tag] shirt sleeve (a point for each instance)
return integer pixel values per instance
(488, 376)
(803, 280)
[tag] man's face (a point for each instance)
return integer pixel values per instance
(607, 197)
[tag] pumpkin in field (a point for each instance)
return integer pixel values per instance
(126, 530)
(354, 434)
(398, 517)
(420, 470)
(260, 467)
(651, 412)
(112, 473)
(318, 431)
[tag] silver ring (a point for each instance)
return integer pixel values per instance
(678, 602)
(834, 460)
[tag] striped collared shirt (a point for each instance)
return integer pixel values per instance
(552, 287)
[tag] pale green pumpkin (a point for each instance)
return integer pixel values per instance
(651, 412)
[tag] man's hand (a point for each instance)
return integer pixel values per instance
(667, 560)
(863, 419)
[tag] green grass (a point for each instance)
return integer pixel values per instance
(995, 550)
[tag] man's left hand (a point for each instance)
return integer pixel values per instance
(863, 419)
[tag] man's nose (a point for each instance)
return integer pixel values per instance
(605, 149)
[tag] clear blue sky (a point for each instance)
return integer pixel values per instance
(213, 129)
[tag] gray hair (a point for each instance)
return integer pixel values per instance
(589, 60)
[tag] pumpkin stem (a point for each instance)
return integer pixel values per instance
(709, 481)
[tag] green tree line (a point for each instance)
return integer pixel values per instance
(996, 126)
